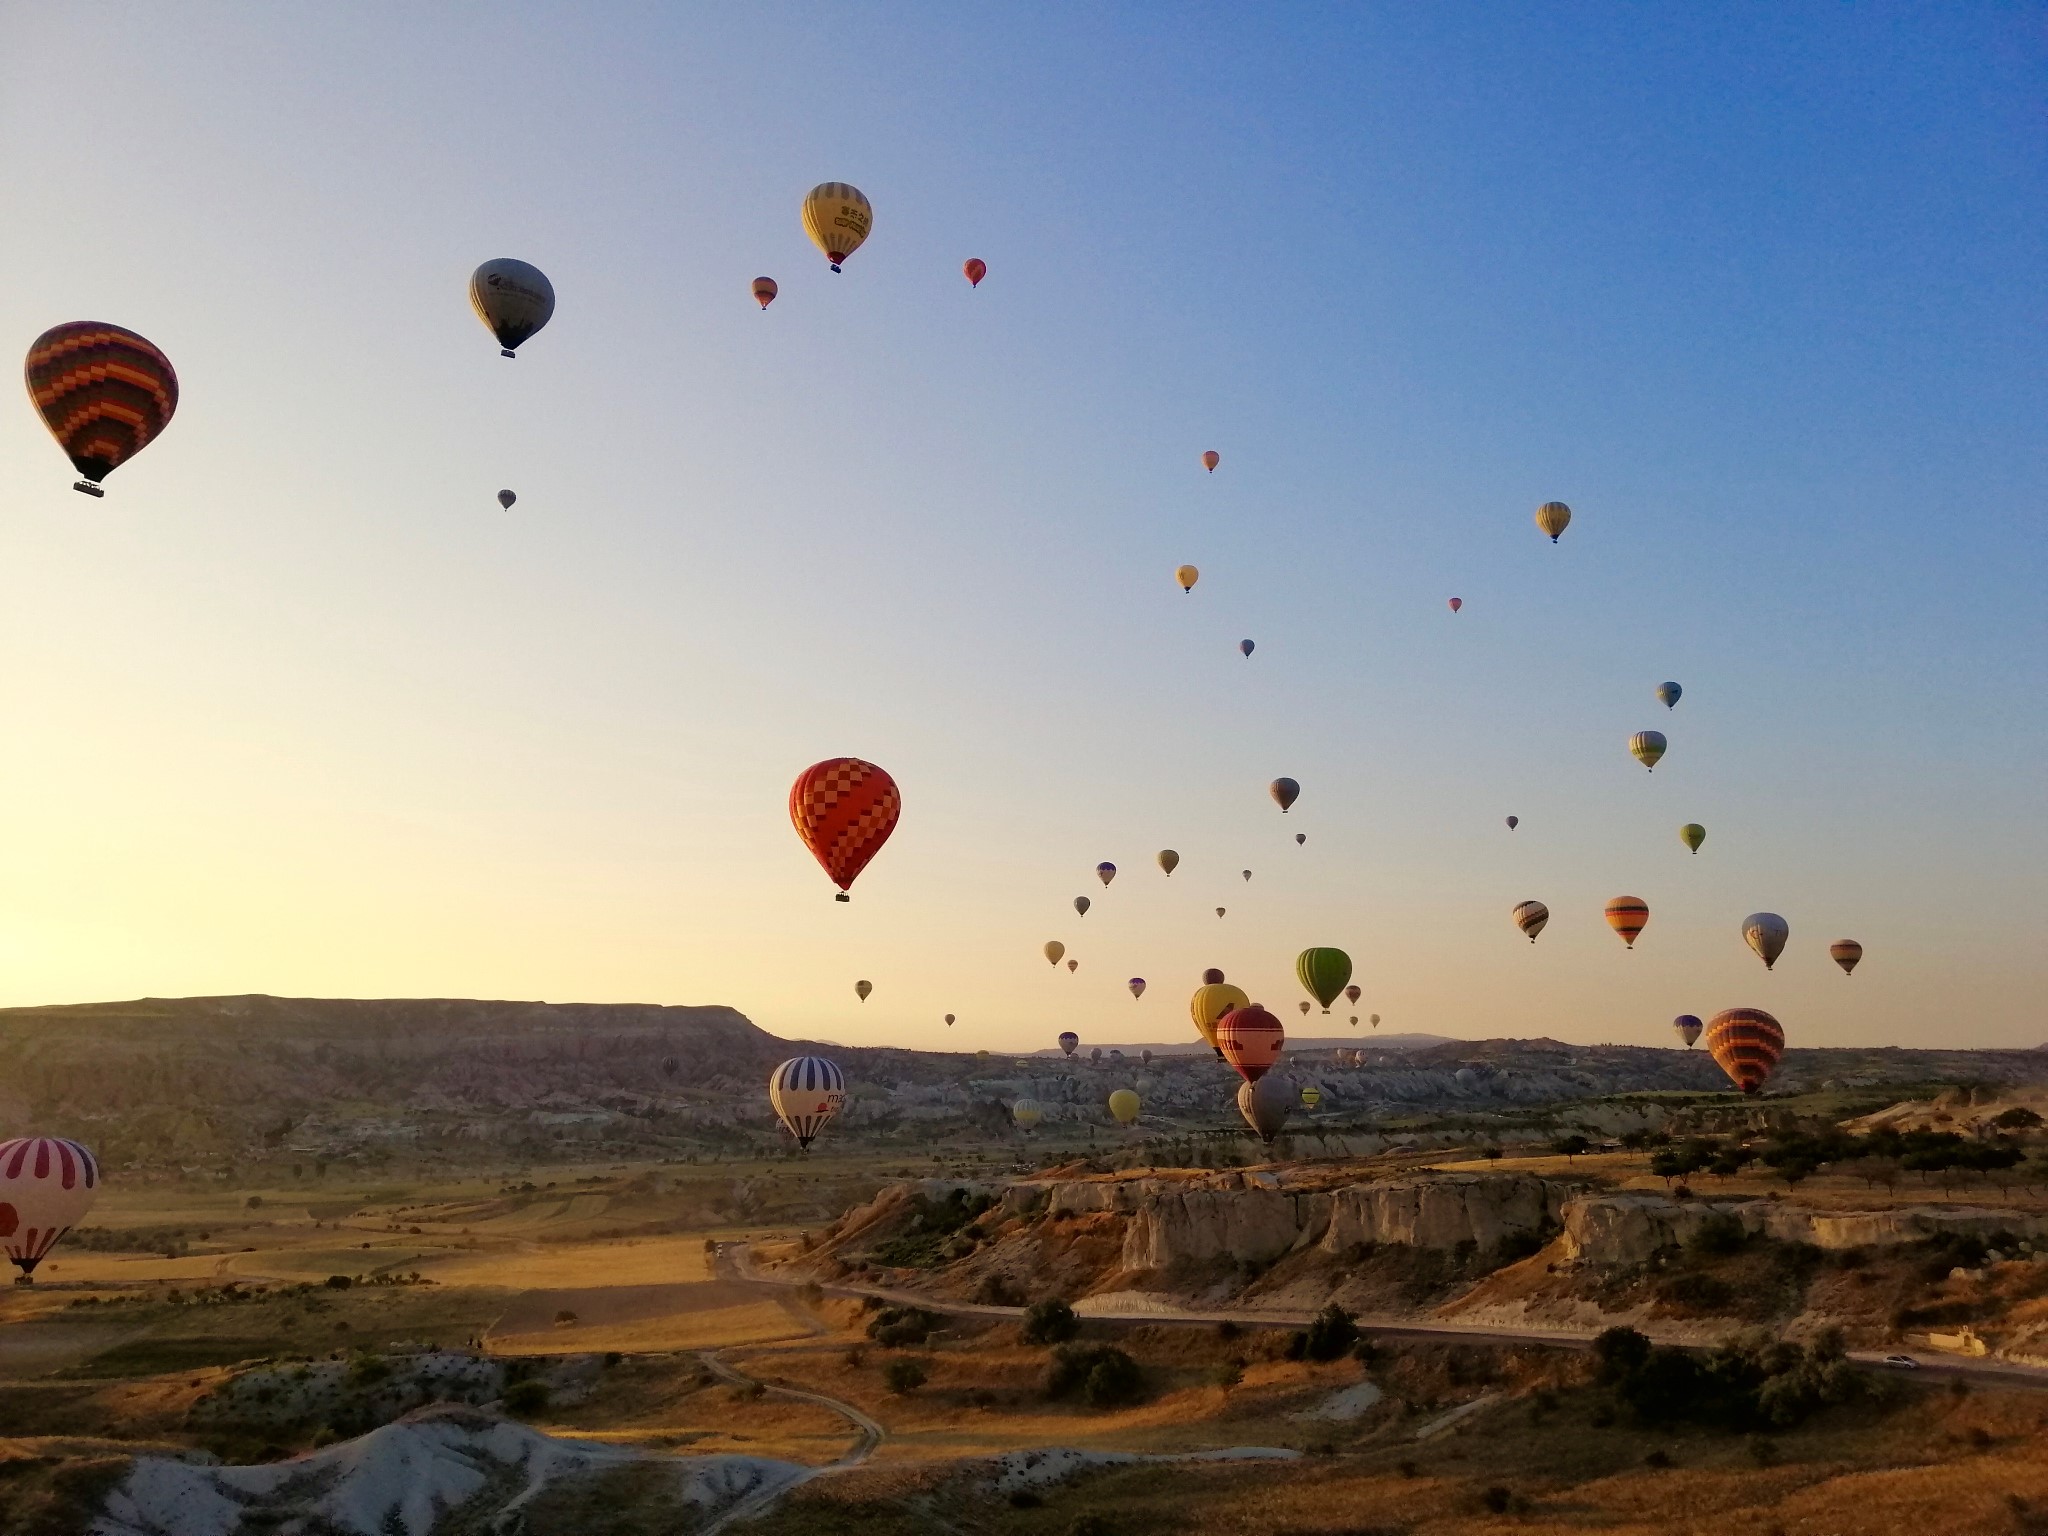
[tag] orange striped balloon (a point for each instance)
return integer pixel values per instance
(1628, 916)
(1746, 1044)
(1845, 953)
(1251, 1040)
(104, 392)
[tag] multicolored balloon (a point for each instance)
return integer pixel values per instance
(1187, 576)
(1746, 1043)
(1845, 953)
(1169, 861)
(806, 1091)
(1026, 1113)
(104, 392)
(1311, 1096)
(1628, 916)
(1323, 973)
(844, 810)
(1054, 951)
(671, 1065)
(838, 219)
(1123, 1107)
(974, 269)
(47, 1184)
(1105, 872)
(861, 989)
(1688, 1026)
(1766, 933)
(1251, 1040)
(1069, 1042)
(1668, 694)
(1284, 792)
(1530, 916)
(1211, 459)
(1553, 517)
(765, 291)
(1265, 1106)
(1692, 834)
(1647, 747)
(513, 299)
(1137, 986)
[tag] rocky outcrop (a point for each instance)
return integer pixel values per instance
(1629, 1228)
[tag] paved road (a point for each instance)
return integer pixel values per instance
(737, 1258)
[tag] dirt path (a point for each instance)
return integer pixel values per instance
(869, 1434)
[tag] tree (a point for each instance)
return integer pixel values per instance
(1330, 1335)
(2018, 1118)
(1569, 1147)
(904, 1375)
(1050, 1321)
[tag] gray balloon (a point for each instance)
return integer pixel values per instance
(1265, 1104)
(505, 500)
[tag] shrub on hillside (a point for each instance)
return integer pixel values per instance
(898, 1327)
(1716, 1236)
(523, 1399)
(1101, 1374)
(904, 1375)
(1753, 1383)
(1330, 1335)
(1050, 1321)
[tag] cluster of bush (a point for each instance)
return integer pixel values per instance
(902, 1327)
(1796, 1153)
(939, 1231)
(1751, 1384)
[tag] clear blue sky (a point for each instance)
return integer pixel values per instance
(1756, 289)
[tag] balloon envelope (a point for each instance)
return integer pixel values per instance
(1692, 834)
(1352, 993)
(1265, 1105)
(1311, 1096)
(1069, 1041)
(1212, 1000)
(1081, 905)
(1324, 973)
(505, 500)
(1668, 694)
(1845, 953)
(975, 270)
(1246, 647)
(1688, 1026)
(103, 391)
(838, 218)
(1457, 603)
(1123, 1106)
(1553, 517)
(1530, 916)
(1647, 747)
(1375, 1021)
(512, 298)
(1284, 792)
(1054, 951)
(1251, 1040)
(861, 989)
(1746, 1044)
(806, 1091)
(949, 1021)
(1514, 822)
(1766, 933)
(1169, 860)
(47, 1184)
(1187, 576)
(1073, 965)
(1026, 1113)
(1137, 986)
(765, 291)
(1628, 916)
(1211, 459)
(1105, 872)
(844, 810)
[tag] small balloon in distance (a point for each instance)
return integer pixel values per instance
(765, 291)
(1211, 459)
(975, 269)
(505, 499)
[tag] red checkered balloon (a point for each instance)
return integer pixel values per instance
(844, 810)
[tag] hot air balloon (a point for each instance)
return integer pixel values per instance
(1137, 986)
(1628, 916)
(1284, 792)
(975, 269)
(1069, 1042)
(1073, 966)
(46, 1186)
(1746, 1044)
(1514, 822)
(1300, 838)
(765, 291)
(1668, 694)
(1845, 953)
(505, 500)
(861, 989)
(1082, 904)
(1123, 1107)
(1146, 1057)
(806, 1091)
(1026, 1113)
(1251, 1040)
(1530, 916)
(1169, 861)
(1211, 459)
(837, 218)
(1352, 992)
(949, 1021)
(104, 393)
(1688, 1026)
(1246, 647)
(1212, 1000)
(1247, 874)
(844, 810)
(1219, 911)
(1265, 1106)
(1354, 1021)
(1457, 603)
(1374, 1021)
(1766, 933)
(671, 1065)
(1324, 972)
(1212, 976)
(1095, 1056)
(1647, 747)
(1187, 576)
(1304, 1006)
(1054, 951)
(513, 300)
(1692, 834)
(1553, 517)
(1105, 872)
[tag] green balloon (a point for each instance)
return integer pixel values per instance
(1324, 972)
(1692, 834)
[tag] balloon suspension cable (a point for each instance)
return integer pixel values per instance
(88, 488)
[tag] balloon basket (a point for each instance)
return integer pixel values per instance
(842, 896)
(507, 352)
(88, 488)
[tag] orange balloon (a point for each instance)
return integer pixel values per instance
(1628, 916)
(976, 269)
(1251, 1040)
(1211, 459)
(765, 291)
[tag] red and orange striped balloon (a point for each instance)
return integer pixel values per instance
(104, 392)
(844, 810)
(1628, 916)
(1746, 1044)
(1251, 1040)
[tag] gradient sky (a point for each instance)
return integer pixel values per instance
(1757, 289)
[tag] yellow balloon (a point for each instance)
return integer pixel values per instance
(1054, 949)
(1553, 517)
(1187, 576)
(837, 218)
(1124, 1105)
(1211, 1002)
